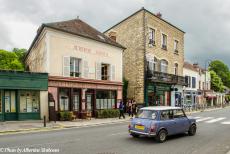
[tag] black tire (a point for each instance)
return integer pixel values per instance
(161, 136)
(192, 130)
(135, 135)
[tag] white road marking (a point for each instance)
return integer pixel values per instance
(215, 120)
(203, 119)
(197, 117)
(226, 122)
(118, 133)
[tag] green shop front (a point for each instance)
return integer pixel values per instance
(23, 95)
(158, 94)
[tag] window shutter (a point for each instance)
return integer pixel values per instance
(98, 71)
(86, 69)
(112, 74)
(66, 66)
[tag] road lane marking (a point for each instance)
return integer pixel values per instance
(203, 119)
(226, 122)
(215, 120)
(197, 117)
(118, 133)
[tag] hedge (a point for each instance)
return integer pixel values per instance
(107, 113)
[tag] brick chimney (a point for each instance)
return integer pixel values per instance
(159, 15)
(113, 35)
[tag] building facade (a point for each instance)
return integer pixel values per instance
(84, 66)
(153, 59)
(23, 95)
(198, 86)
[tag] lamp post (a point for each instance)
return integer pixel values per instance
(207, 61)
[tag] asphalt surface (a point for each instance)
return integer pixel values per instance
(213, 137)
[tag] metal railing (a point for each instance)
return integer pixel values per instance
(165, 77)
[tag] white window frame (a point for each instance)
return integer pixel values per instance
(79, 65)
(176, 44)
(152, 36)
(162, 41)
(176, 69)
(164, 67)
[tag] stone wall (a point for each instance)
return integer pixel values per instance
(130, 34)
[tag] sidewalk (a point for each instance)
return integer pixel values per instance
(12, 127)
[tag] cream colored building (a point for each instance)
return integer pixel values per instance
(154, 58)
(84, 66)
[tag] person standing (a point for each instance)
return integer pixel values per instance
(121, 109)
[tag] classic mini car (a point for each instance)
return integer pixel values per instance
(160, 122)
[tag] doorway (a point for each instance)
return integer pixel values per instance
(10, 105)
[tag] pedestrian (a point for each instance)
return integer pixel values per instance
(130, 107)
(121, 109)
(134, 108)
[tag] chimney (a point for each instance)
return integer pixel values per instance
(112, 35)
(159, 15)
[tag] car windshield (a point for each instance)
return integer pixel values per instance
(146, 114)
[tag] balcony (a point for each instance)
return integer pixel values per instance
(160, 77)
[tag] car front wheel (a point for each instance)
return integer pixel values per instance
(192, 130)
(161, 136)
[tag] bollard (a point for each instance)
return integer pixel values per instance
(44, 121)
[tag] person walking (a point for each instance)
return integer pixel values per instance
(130, 107)
(121, 109)
(134, 108)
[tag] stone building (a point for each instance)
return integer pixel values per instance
(84, 66)
(153, 59)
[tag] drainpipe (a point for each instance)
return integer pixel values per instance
(145, 67)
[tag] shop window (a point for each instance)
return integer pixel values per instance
(75, 67)
(105, 71)
(64, 99)
(10, 101)
(105, 99)
(0, 101)
(29, 101)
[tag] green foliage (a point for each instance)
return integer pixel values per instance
(66, 115)
(107, 113)
(227, 97)
(125, 89)
(221, 70)
(10, 61)
(216, 82)
(20, 53)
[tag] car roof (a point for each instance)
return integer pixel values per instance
(160, 108)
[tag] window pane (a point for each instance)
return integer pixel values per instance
(7, 101)
(76, 102)
(12, 101)
(178, 114)
(0, 101)
(22, 101)
(98, 104)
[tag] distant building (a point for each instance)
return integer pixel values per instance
(153, 59)
(84, 66)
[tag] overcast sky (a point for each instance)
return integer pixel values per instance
(206, 22)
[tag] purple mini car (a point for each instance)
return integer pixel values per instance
(160, 122)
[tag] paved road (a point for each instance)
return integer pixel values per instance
(213, 137)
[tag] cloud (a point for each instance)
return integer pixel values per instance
(206, 22)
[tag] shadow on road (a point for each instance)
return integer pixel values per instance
(151, 140)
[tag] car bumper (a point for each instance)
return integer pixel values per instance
(142, 133)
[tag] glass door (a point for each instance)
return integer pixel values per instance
(10, 105)
(89, 102)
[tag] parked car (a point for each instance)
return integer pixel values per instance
(160, 122)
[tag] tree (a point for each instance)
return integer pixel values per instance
(221, 70)
(20, 53)
(10, 61)
(216, 82)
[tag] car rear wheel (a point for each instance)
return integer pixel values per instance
(192, 130)
(161, 136)
(135, 135)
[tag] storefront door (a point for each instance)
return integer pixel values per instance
(10, 105)
(89, 102)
